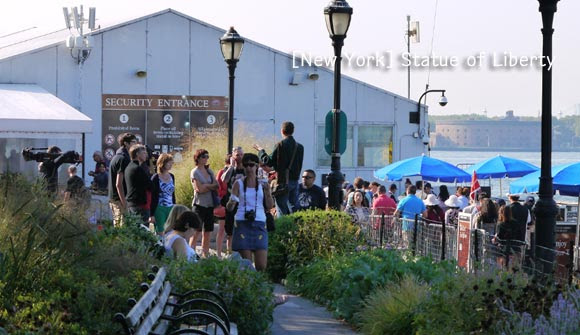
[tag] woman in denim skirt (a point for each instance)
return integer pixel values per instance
(250, 236)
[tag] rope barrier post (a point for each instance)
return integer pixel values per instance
(476, 247)
(571, 264)
(381, 230)
(415, 228)
(443, 240)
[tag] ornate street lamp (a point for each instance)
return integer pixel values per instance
(231, 45)
(546, 209)
(337, 14)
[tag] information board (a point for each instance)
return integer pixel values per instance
(166, 123)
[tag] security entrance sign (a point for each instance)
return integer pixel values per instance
(164, 122)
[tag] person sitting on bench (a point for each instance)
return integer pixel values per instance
(180, 231)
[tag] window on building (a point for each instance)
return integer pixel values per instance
(373, 145)
(346, 159)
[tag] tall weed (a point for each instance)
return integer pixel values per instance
(57, 275)
(343, 282)
(302, 236)
(467, 303)
(391, 309)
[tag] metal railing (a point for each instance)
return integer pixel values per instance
(473, 249)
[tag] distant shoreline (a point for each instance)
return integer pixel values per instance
(504, 149)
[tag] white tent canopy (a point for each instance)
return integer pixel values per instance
(30, 108)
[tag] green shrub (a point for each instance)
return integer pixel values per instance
(342, 282)
(58, 275)
(391, 309)
(302, 236)
(247, 293)
(36, 236)
(468, 303)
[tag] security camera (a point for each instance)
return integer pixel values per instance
(443, 101)
(313, 76)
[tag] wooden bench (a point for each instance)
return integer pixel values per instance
(159, 309)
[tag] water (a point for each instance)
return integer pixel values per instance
(462, 157)
(471, 157)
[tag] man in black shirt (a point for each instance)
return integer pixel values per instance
(117, 186)
(138, 182)
(287, 155)
(48, 169)
(75, 187)
(519, 216)
(310, 196)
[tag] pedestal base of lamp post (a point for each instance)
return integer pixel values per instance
(335, 180)
(545, 211)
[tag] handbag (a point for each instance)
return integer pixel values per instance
(270, 226)
(279, 189)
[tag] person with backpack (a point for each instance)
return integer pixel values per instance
(286, 159)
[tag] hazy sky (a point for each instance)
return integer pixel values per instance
(462, 29)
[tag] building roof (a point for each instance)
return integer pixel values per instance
(34, 39)
(30, 108)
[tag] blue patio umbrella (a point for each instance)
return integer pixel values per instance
(566, 179)
(500, 167)
(427, 168)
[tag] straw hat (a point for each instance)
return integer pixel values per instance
(431, 200)
(453, 201)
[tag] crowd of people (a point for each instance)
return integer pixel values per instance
(242, 198)
(251, 189)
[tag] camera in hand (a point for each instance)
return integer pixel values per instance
(31, 154)
(151, 162)
(250, 215)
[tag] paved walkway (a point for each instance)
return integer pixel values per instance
(302, 317)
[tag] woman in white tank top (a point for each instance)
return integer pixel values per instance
(181, 230)
(250, 236)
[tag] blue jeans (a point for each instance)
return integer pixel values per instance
(290, 198)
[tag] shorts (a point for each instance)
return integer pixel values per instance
(250, 235)
(206, 216)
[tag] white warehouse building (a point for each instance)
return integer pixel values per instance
(137, 72)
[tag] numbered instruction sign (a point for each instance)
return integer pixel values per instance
(164, 122)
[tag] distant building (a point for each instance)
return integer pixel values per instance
(507, 133)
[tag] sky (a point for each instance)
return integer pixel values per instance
(472, 38)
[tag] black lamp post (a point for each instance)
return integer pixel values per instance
(337, 15)
(231, 45)
(546, 209)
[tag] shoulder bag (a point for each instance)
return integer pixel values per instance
(281, 188)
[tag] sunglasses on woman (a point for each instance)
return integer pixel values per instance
(249, 164)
